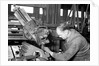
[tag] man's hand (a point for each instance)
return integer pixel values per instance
(48, 51)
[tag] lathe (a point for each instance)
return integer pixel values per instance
(34, 31)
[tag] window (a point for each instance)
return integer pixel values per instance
(26, 8)
(70, 13)
(41, 11)
(79, 14)
(85, 15)
(61, 12)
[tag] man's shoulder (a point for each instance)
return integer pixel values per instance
(77, 39)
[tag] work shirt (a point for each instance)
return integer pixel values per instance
(77, 48)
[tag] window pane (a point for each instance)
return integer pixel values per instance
(85, 15)
(75, 13)
(71, 13)
(61, 12)
(41, 11)
(26, 8)
(79, 14)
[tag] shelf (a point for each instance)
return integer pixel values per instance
(16, 38)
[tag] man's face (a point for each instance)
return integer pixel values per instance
(62, 34)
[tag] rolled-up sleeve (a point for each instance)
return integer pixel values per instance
(68, 54)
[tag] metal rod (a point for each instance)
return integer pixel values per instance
(84, 18)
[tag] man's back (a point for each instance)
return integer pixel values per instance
(83, 51)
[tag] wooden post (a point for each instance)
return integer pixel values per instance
(50, 13)
(77, 17)
(36, 12)
(44, 18)
(82, 15)
(53, 14)
(9, 8)
(65, 14)
(57, 13)
(74, 19)
(70, 19)
(83, 25)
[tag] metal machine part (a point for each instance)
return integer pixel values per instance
(15, 50)
(13, 53)
(32, 50)
(33, 54)
(37, 54)
(10, 54)
(33, 31)
(31, 28)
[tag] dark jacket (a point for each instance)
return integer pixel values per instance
(77, 48)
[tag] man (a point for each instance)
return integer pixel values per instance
(77, 48)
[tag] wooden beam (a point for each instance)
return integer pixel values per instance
(16, 38)
(13, 23)
(33, 5)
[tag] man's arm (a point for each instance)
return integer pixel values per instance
(68, 54)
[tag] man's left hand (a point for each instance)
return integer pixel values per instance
(48, 50)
